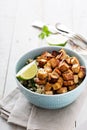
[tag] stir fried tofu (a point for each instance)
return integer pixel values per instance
(54, 62)
(60, 80)
(76, 79)
(54, 53)
(57, 71)
(48, 86)
(58, 57)
(63, 54)
(53, 77)
(71, 87)
(62, 90)
(63, 66)
(81, 73)
(44, 58)
(41, 74)
(49, 92)
(75, 68)
(68, 75)
(68, 59)
(48, 69)
(68, 83)
(56, 86)
(40, 82)
(74, 60)
(41, 62)
(47, 55)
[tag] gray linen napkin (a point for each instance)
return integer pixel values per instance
(7, 104)
(17, 109)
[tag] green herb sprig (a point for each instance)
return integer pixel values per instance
(45, 32)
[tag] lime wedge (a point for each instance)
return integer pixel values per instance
(56, 40)
(28, 71)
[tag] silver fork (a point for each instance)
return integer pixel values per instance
(76, 39)
(59, 28)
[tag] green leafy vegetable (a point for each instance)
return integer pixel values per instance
(45, 32)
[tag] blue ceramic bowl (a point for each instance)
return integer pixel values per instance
(50, 101)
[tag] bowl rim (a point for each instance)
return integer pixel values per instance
(45, 47)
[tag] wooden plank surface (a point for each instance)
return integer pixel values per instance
(25, 37)
(7, 23)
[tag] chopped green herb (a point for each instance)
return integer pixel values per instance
(45, 32)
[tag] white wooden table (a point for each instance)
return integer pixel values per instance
(17, 35)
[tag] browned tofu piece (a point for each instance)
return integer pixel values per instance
(60, 80)
(76, 79)
(68, 59)
(48, 86)
(54, 62)
(41, 62)
(74, 60)
(63, 54)
(68, 75)
(68, 83)
(58, 57)
(82, 72)
(48, 64)
(46, 56)
(53, 77)
(48, 69)
(62, 90)
(57, 71)
(40, 82)
(63, 66)
(49, 92)
(71, 87)
(41, 74)
(54, 53)
(56, 86)
(75, 68)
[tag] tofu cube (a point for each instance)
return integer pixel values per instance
(57, 71)
(62, 90)
(53, 77)
(63, 54)
(82, 72)
(68, 75)
(60, 81)
(49, 92)
(71, 87)
(68, 59)
(56, 86)
(74, 60)
(63, 66)
(41, 74)
(48, 86)
(75, 68)
(76, 79)
(68, 83)
(54, 62)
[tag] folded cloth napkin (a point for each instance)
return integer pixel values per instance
(16, 109)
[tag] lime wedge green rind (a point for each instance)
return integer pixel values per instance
(27, 72)
(57, 40)
(59, 44)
